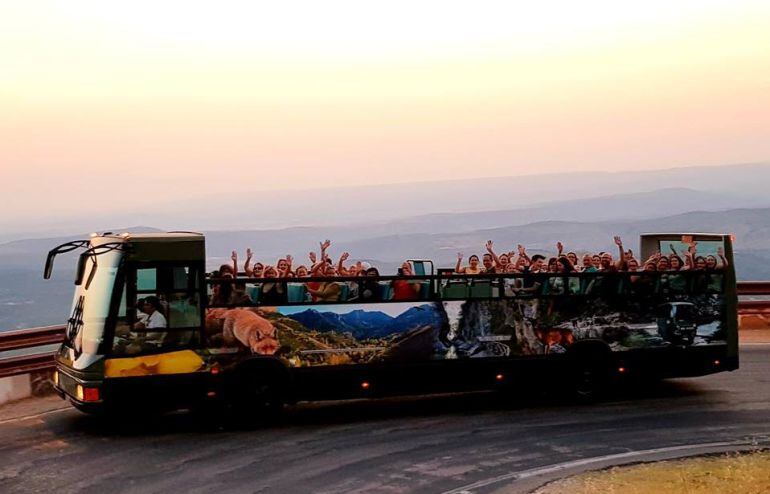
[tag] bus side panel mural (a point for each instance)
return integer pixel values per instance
(326, 334)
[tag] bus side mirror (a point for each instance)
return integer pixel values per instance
(49, 265)
(82, 259)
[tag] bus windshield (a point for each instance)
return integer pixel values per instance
(92, 302)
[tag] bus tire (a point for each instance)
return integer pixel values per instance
(258, 390)
(589, 367)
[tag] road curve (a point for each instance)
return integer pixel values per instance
(471, 442)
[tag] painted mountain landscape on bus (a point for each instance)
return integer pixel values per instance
(371, 323)
(650, 310)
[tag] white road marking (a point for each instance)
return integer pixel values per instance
(27, 417)
(534, 472)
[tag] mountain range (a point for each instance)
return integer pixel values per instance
(240, 207)
(363, 324)
(570, 208)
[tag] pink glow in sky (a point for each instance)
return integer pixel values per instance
(120, 102)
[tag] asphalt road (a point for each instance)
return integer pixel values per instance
(461, 443)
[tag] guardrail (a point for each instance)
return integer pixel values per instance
(53, 335)
(29, 338)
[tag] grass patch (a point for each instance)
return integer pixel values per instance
(733, 473)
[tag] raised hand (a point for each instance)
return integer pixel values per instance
(325, 245)
(344, 256)
(522, 250)
(559, 247)
(459, 256)
(489, 246)
(289, 259)
(618, 241)
(234, 256)
(692, 248)
(248, 254)
(721, 251)
(312, 257)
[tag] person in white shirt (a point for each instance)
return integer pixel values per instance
(155, 320)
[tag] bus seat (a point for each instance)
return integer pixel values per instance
(419, 268)
(296, 292)
(386, 291)
(455, 289)
(481, 289)
(344, 291)
(253, 292)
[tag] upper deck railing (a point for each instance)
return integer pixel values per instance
(42, 360)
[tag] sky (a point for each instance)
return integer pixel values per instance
(109, 104)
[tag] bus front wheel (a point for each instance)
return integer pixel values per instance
(257, 393)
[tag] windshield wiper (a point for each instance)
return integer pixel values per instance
(63, 248)
(93, 252)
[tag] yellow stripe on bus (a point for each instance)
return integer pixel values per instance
(180, 362)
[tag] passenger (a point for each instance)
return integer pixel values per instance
(325, 291)
(234, 268)
(222, 291)
(607, 264)
(632, 265)
(493, 263)
(588, 264)
(369, 289)
(511, 268)
(520, 264)
(283, 267)
(252, 273)
(155, 319)
(473, 265)
(318, 270)
(530, 284)
(273, 293)
(537, 264)
(573, 259)
(341, 270)
(556, 283)
(404, 289)
(301, 271)
(596, 262)
(257, 271)
(489, 264)
(723, 263)
(239, 296)
(553, 263)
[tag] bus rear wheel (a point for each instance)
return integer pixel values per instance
(589, 372)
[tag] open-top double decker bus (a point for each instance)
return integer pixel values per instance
(458, 332)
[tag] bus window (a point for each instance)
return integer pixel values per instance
(146, 279)
(164, 312)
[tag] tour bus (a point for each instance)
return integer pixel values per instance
(459, 332)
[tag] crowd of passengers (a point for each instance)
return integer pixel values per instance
(275, 291)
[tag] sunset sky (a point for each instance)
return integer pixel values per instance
(123, 101)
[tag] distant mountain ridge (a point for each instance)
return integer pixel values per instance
(244, 208)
